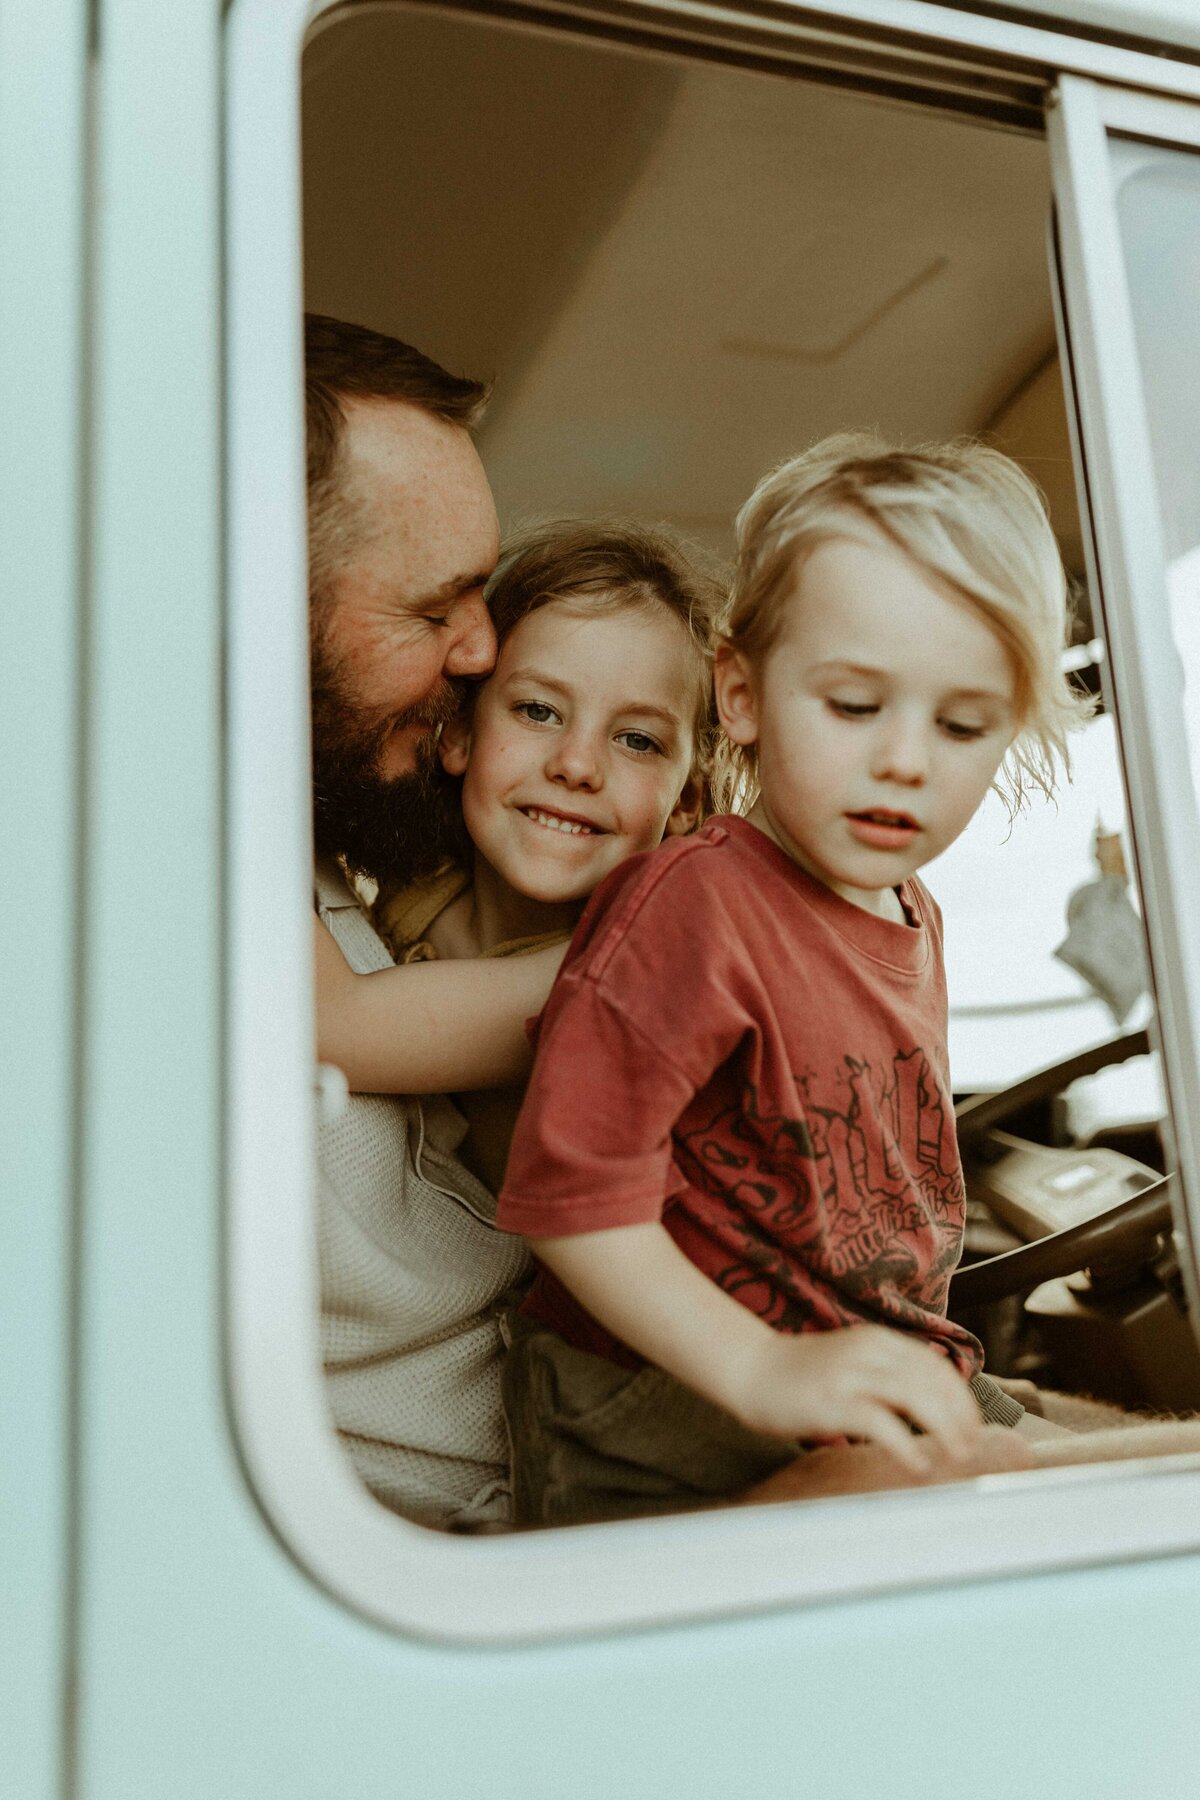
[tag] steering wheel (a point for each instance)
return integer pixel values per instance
(1130, 1227)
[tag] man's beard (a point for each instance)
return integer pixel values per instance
(396, 830)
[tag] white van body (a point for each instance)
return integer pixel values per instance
(198, 1601)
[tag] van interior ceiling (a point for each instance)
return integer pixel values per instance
(677, 272)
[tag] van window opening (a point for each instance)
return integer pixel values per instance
(736, 264)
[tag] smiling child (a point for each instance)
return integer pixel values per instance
(594, 737)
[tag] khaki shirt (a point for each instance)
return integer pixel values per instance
(414, 1276)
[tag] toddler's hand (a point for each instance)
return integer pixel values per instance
(863, 1382)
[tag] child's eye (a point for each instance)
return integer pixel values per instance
(961, 731)
(536, 711)
(854, 709)
(640, 741)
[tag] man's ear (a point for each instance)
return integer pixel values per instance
(737, 694)
(454, 745)
(685, 814)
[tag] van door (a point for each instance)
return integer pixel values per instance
(250, 1624)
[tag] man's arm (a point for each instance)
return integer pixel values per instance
(429, 1028)
(863, 1382)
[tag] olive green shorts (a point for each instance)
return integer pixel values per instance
(592, 1440)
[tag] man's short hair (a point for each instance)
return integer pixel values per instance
(344, 362)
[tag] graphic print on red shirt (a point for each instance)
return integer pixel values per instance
(737, 1051)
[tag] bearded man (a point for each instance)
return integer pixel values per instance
(402, 537)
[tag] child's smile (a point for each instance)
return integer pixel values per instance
(558, 821)
(881, 715)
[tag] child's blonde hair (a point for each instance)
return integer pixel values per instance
(965, 513)
(612, 565)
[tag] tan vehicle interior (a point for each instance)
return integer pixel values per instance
(679, 271)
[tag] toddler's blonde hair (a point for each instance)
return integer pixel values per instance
(965, 513)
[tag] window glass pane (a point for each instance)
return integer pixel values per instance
(1158, 204)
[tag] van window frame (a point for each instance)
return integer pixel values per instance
(592, 1578)
(1115, 465)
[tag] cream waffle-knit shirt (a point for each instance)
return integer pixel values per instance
(414, 1275)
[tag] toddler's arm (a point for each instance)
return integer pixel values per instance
(429, 1028)
(862, 1382)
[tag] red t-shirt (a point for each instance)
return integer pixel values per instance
(735, 1050)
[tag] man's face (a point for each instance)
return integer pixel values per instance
(401, 622)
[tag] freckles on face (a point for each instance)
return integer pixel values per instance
(405, 614)
(397, 687)
(580, 744)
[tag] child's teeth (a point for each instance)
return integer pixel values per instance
(569, 825)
